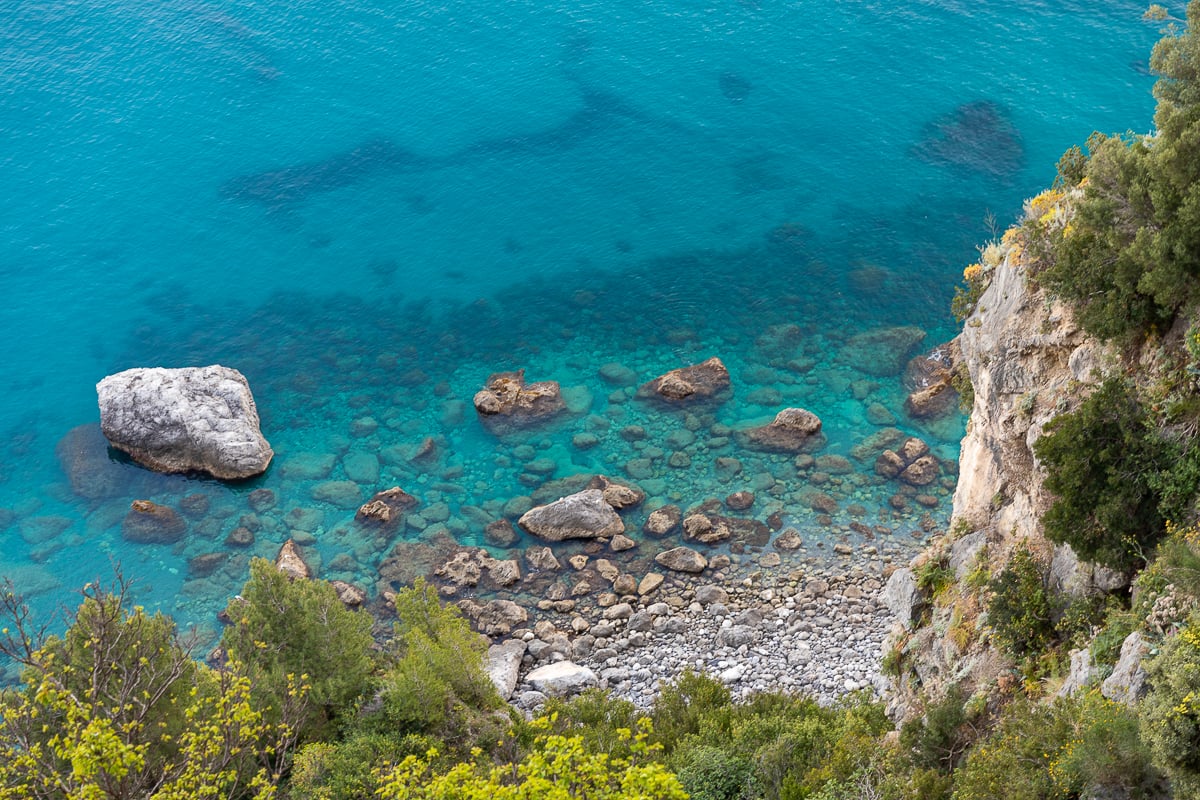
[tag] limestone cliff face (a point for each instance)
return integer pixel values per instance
(1028, 361)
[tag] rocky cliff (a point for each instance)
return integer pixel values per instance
(1027, 361)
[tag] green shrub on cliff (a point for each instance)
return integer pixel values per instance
(1082, 746)
(1129, 258)
(117, 708)
(282, 629)
(1170, 713)
(438, 684)
(1020, 609)
(1102, 461)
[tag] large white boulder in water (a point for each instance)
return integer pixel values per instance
(583, 515)
(179, 420)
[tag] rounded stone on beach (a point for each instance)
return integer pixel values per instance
(682, 559)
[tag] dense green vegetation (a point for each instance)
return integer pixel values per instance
(1103, 462)
(117, 707)
(1128, 257)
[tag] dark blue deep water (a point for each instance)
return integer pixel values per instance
(368, 207)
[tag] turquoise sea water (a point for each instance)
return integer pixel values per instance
(369, 207)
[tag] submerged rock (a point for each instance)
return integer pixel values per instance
(83, 455)
(882, 353)
(507, 397)
(793, 430)
(911, 463)
(979, 136)
(180, 420)
(584, 515)
(151, 523)
(701, 381)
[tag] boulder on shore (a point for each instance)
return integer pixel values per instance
(504, 665)
(699, 381)
(682, 559)
(583, 515)
(180, 420)
(794, 430)
(562, 679)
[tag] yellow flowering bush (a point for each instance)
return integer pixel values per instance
(558, 768)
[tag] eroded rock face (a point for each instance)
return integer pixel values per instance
(901, 597)
(583, 515)
(179, 420)
(1127, 683)
(507, 398)
(701, 381)
(794, 430)
(1024, 354)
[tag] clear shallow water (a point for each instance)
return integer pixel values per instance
(368, 209)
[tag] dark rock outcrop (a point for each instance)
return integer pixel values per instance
(291, 563)
(507, 399)
(705, 380)
(386, 509)
(151, 523)
(794, 430)
(929, 380)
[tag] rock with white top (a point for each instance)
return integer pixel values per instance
(561, 679)
(583, 515)
(504, 665)
(199, 419)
